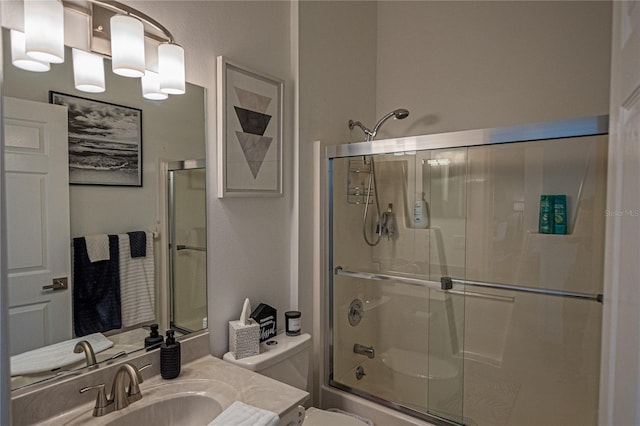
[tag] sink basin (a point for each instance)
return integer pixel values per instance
(190, 409)
(205, 388)
(175, 402)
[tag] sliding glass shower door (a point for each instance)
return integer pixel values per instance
(396, 334)
(448, 299)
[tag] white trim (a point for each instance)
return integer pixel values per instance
(5, 375)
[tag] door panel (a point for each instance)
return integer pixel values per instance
(37, 179)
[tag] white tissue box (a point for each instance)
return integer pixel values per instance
(244, 340)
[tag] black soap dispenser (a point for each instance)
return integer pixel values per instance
(154, 339)
(170, 357)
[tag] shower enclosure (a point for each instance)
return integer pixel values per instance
(465, 313)
(187, 245)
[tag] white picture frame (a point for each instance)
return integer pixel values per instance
(249, 132)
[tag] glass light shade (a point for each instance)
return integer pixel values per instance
(151, 86)
(88, 71)
(127, 46)
(19, 57)
(44, 30)
(151, 55)
(171, 65)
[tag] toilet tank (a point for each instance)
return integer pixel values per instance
(284, 358)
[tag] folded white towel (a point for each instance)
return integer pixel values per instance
(55, 356)
(241, 414)
(97, 247)
(137, 283)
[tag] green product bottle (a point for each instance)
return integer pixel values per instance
(559, 214)
(545, 223)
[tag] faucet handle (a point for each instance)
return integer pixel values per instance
(116, 356)
(103, 405)
(144, 367)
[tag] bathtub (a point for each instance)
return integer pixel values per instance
(402, 379)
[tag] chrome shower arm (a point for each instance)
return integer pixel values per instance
(369, 133)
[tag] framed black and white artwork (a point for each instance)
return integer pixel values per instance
(105, 141)
(250, 123)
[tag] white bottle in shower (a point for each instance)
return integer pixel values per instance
(420, 216)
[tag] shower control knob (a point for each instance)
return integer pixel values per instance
(355, 312)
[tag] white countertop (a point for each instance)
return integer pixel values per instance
(207, 376)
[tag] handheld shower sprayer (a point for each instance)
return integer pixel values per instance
(398, 114)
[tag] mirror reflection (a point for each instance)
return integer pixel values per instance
(48, 309)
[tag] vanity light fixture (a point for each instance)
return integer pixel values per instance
(115, 31)
(151, 86)
(19, 57)
(127, 46)
(44, 30)
(171, 65)
(88, 71)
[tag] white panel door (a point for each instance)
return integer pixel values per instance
(620, 372)
(38, 239)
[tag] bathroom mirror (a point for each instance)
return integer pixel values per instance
(171, 130)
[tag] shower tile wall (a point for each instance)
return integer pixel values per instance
(527, 359)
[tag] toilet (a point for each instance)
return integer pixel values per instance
(286, 359)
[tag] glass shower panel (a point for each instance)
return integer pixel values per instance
(533, 359)
(188, 249)
(390, 321)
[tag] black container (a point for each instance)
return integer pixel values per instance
(266, 316)
(170, 357)
(154, 339)
(292, 322)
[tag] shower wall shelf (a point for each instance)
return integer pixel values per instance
(442, 285)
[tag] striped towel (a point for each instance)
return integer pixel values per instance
(137, 283)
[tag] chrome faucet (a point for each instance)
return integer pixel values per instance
(121, 395)
(364, 350)
(90, 356)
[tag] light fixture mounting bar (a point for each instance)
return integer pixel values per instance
(119, 8)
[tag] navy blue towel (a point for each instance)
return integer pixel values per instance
(96, 289)
(138, 243)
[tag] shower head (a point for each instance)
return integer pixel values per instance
(398, 114)
(401, 113)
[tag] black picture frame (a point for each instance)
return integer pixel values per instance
(105, 141)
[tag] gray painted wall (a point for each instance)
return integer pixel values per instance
(471, 65)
